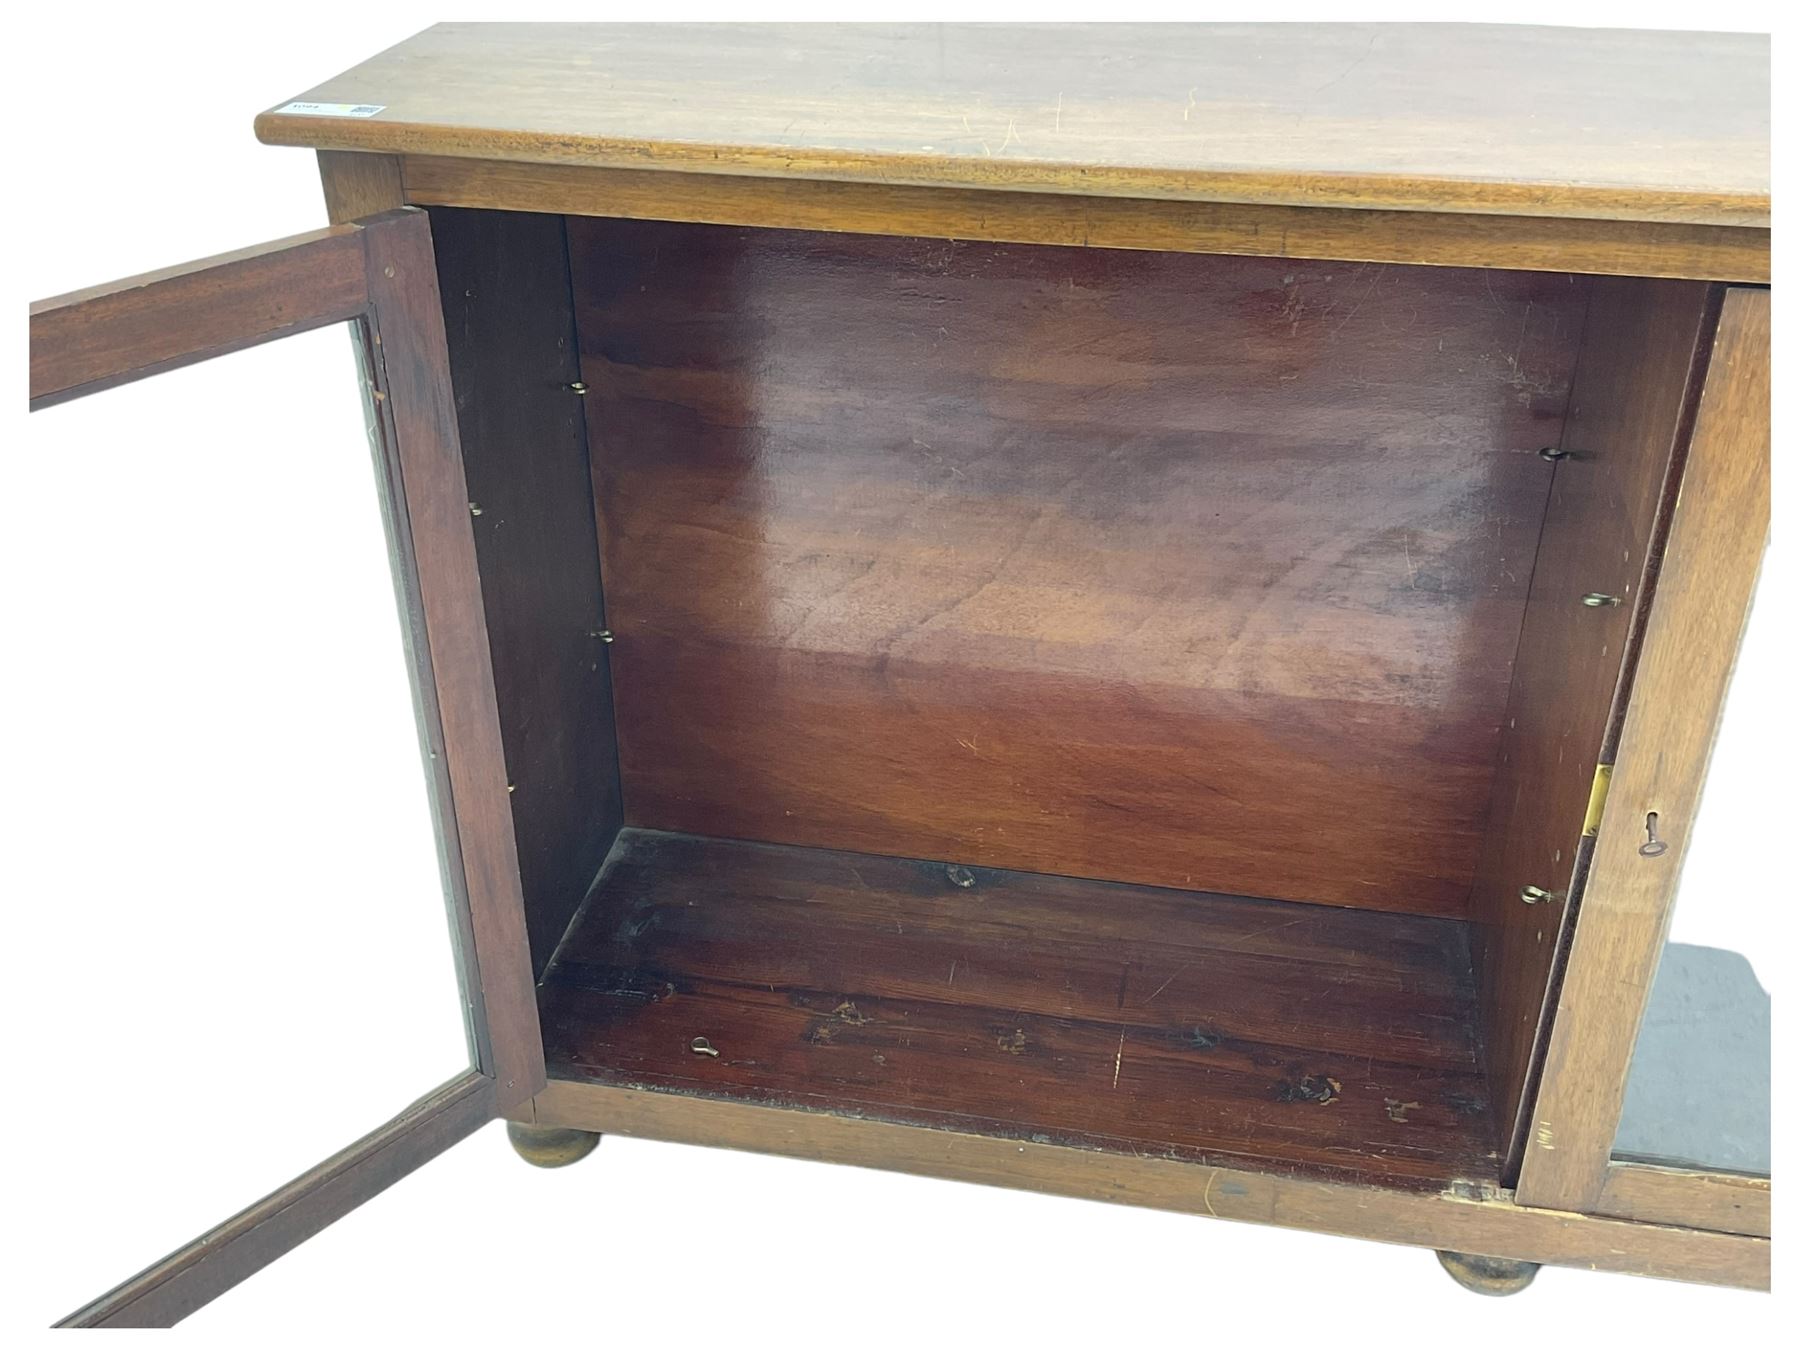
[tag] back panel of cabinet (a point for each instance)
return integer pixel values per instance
(1178, 570)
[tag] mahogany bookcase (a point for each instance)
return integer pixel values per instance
(1134, 612)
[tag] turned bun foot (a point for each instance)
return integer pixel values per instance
(1492, 1275)
(550, 1148)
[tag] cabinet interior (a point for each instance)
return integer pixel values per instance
(1113, 698)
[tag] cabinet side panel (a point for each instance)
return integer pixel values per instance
(1628, 418)
(514, 363)
(1174, 569)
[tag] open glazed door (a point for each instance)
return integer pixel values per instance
(378, 275)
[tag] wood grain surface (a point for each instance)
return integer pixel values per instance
(109, 335)
(359, 185)
(513, 364)
(426, 501)
(1512, 120)
(1181, 570)
(1632, 406)
(1474, 1219)
(1715, 548)
(1298, 1038)
(1438, 238)
(1722, 1202)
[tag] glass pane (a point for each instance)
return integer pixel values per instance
(225, 881)
(1698, 1092)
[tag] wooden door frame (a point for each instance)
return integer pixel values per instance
(380, 275)
(1702, 601)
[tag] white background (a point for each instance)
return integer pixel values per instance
(218, 879)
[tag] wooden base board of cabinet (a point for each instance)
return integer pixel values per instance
(1481, 1222)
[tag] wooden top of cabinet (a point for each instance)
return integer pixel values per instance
(1558, 122)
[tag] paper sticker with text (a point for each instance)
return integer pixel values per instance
(333, 109)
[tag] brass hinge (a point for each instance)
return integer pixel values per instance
(1597, 800)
